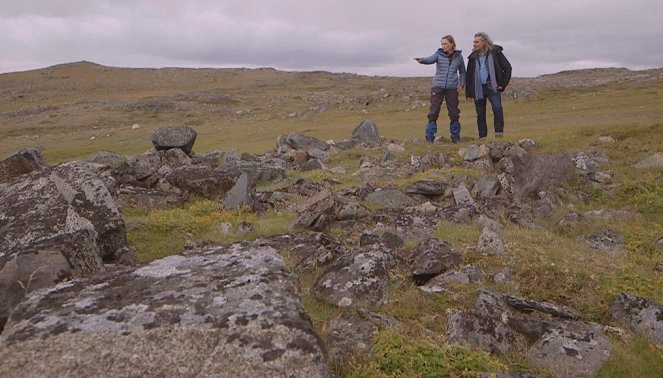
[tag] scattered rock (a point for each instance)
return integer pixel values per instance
(390, 198)
(357, 278)
(654, 161)
(241, 194)
(367, 132)
(353, 210)
(427, 188)
(183, 137)
(607, 240)
(462, 197)
(639, 314)
(490, 243)
(570, 354)
(431, 258)
(317, 212)
(217, 311)
(527, 144)
(475, 331)
(22, 162)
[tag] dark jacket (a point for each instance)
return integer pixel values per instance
(502, 70)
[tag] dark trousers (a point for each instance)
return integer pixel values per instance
(495, 98)
(437, 96)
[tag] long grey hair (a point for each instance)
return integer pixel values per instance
(489, 42)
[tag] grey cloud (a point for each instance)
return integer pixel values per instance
(371, 37)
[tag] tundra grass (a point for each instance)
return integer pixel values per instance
(161, 233)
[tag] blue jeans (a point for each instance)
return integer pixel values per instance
(495, 99)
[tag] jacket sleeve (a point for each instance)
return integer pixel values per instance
(430, 59)
(506, 68)
(461, 72)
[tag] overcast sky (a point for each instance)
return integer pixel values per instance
(373, 37)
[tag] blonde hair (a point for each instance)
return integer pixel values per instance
(450, 38)
(486, 39)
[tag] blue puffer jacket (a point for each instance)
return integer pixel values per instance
(448, 70)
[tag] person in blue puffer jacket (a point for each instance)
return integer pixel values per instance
(448, 81)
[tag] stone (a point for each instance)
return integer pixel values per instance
(230, 310)
(540, 173)
(313, 211)
(488, 223)
(203, 181)
(148, 199)
(300, 157)
(350, 337)
(570, 354)
(427, 188)
(312, 165)
(353, 210)
(395, 148)
(367, 132)
(440, 283)
(585, 163)
(182, 137)
(114, 161)
(654, 161)
(641, 315)
(475, 331)
(22, 162)
(462, 197)
(390, 198)
(606, 214)
(241, 194)
(527, 144)
(528, 305)
(45, 263)
(431, 258)
(357, 278)
(297, 141)
(606, 139)
(58, 200)
(487, 187)
(490, 243)
(607, 240)
(476, 152)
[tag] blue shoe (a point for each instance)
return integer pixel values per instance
(454, 129)
(431, 129)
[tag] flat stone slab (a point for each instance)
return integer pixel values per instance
(227, 310)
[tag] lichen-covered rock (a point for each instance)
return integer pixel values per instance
(566, 353)
(204, 181)
(22, 162)
(536, 173)
(431, 258)
(317, 211)
(216, 311)
(183, 137)
(357, 278)
(350, 337)
(641, 315)
(477, 331)
(367, 132)
(490, 243)
(59, 200)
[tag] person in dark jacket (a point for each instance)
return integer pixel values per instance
(448, 81)
(488, 74)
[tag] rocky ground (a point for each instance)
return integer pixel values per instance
(76, 303)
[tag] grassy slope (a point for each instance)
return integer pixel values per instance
(549, 265)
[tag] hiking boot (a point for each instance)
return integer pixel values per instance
(499, 135)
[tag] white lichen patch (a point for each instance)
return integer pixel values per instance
(168, 266)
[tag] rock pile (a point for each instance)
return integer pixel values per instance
(234, 309)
